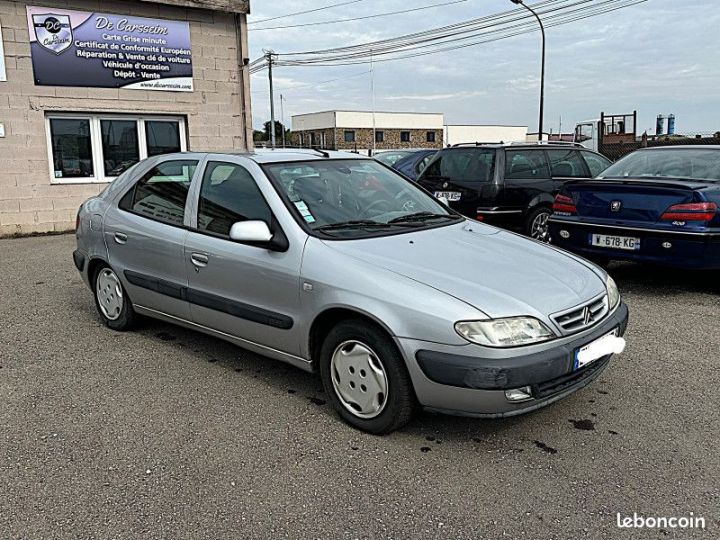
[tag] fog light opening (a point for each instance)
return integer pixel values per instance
(564, 234)
(517, 395)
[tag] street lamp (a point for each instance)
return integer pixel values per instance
(542, 68)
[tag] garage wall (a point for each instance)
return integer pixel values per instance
(216, 112)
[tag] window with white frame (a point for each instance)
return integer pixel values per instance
(98, 148)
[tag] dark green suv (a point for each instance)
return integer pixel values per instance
(509, 185)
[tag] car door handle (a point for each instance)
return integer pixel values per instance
(120, 238)
(199, 260)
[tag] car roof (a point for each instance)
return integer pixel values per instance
(279, 155)
(683, 147)
(515, 145)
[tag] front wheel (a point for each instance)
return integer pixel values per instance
(365, 378)
(536, 224)
(112, 301)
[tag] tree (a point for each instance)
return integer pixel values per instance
(279, 128)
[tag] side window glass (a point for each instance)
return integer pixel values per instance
(229, 194)
(161, 193)
(597, 164)
(526, 165)
(566, 164)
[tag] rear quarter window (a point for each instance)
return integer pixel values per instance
(526, 165)
(466, 165)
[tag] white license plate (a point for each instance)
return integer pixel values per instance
(602, 346)
(451, 196)
(615, 242)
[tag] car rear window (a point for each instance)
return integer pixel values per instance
(469, 165)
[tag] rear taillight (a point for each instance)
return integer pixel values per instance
(704, 211)
(564, 205)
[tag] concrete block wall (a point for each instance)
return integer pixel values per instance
(216, 112)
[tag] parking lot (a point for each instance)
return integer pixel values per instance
(167, 433)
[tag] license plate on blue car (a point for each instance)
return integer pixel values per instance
(615, 242)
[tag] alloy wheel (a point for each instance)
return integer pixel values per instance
(539, 229)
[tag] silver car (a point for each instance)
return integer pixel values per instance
(336, 264)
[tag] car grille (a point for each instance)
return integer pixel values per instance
(564, 382)
(582, 317)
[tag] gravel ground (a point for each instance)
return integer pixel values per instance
(167, 433)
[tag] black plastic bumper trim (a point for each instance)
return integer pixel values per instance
(79, 260)
(503, 374)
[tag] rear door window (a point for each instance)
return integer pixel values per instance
(526, 165)
(566, 163)
(596, 163)
(162, 192)
(466, 165)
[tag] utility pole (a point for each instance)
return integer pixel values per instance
(542, 68)
(282, 119)
(269, 56)
(372, 90)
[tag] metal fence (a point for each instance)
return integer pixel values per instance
(615, 151)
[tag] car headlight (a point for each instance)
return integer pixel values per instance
(509, 332)
(613, 293)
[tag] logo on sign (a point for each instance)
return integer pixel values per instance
(615, 206)
(53, 32)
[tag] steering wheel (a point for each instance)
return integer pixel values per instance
(377, 205)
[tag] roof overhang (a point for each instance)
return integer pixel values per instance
(229, 6)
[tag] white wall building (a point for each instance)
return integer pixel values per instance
(457, 134)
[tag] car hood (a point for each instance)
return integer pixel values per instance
(497, 272)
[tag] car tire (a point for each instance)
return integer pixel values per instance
(536, 225)
(112, 301)
(365, 378)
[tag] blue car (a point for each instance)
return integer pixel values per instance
(656, 205)
(414, 163)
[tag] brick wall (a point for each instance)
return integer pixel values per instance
(216, 113)
(364, 138)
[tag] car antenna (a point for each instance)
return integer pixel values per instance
(323, 153)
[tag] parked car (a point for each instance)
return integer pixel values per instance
(509, 185)
(412, 165)
(337, 264)
(391, 156)
(656, 205)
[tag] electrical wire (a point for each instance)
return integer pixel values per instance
(314, 85)
(304, 12)
(375, 16)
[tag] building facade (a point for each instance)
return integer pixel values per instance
(356, 130)
(87, 88)
(459, 134)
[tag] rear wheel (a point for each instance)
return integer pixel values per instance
(112, 301)
(365, 378)
(536, 224)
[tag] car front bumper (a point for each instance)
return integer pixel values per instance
(685, 249)
(469, 381)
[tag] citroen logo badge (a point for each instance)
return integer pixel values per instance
(615, 206)
(587, 316)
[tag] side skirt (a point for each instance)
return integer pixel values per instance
(297, 361)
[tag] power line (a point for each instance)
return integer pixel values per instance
(377, 15)
(305, 12)
(314, 85)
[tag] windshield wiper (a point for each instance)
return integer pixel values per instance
(356, 224)
(420, 216)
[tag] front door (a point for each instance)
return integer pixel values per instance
(145, 236)
(243, 290)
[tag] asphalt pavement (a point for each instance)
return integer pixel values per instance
(167, 433)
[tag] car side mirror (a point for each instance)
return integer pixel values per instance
(251, 231)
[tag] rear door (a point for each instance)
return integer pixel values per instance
(527, 179)
(243, 290)
(465, 176)
(145, 236)
(565, 164)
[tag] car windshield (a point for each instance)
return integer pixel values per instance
(356, 197)
(700, 164)
(390, 158)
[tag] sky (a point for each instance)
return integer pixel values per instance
(658, 57)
